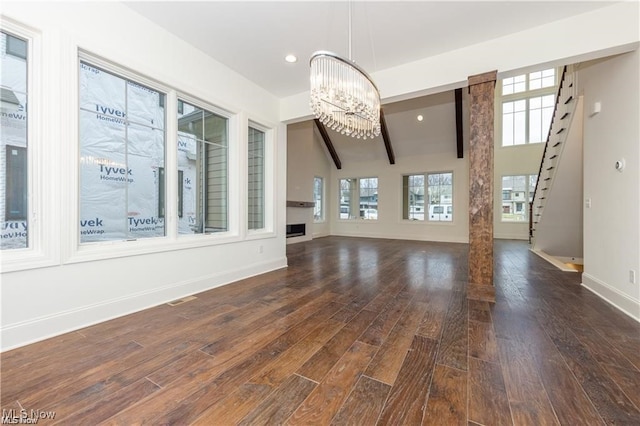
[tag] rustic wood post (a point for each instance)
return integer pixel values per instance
(481, 91)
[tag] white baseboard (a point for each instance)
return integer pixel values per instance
(23, 333)
(402, 237)
(623, 302)
(505, 236)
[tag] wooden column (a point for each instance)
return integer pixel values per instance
(481, 91)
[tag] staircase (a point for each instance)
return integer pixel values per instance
(566, 101)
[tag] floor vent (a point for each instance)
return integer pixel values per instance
(181, 301)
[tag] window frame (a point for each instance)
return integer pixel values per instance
(42, 197)
(269, 129)
(358, 196)
(137, 79)
(269, 180)
(322, 217)
(225, 115)
(171, 241)
(528, 190)
(427, 204)
(525, 95)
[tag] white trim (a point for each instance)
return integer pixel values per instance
(323, 197)
(623, 302)
(36, 329)
(504, 236)
(426, 238)
(555, 261)
(270, 150)
(42, 214)
(78, 252)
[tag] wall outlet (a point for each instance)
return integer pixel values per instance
(260, 249)
(632, 276)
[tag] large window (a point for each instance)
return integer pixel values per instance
(256, 179)
(13, 141)
(517, 193)
(527, 107)
(318, 199)
(203, 160)
(359, 198)
(437, 206)
(122, 153)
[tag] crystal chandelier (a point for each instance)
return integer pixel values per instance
(343, 96)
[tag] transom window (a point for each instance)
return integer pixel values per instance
(527, 107)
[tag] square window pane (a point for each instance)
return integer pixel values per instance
(548, 101)
(145, 106)
(520, 105)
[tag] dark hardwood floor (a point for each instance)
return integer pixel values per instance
(356, 332)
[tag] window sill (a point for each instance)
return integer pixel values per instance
(114, 249)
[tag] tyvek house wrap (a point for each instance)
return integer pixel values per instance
(121, 153)
(13, 138)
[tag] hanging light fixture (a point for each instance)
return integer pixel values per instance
(343, 96)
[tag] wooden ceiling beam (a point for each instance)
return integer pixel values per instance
(387, 140)
(328, 143)
(459, 132)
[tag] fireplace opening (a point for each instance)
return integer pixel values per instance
(296, 230)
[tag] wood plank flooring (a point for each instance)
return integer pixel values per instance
(354, 332)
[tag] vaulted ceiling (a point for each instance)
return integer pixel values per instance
(252, 38)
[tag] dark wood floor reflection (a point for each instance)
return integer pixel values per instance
(354, 331)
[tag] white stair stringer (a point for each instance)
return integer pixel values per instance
(560, 125)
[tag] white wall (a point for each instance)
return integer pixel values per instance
(434, 151)
(510, 161)
(300, 161)
(612, 224)
(322, 167)
(601, 32)
(77, 286)
(390, 223)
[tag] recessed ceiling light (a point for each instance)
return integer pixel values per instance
(420, 117)
(291, 58)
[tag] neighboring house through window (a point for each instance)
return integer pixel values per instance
(14, 178)
(203, 159)
(517, 193)
(437, 206)
(318, 199)
(256, 179)
(359, 198)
